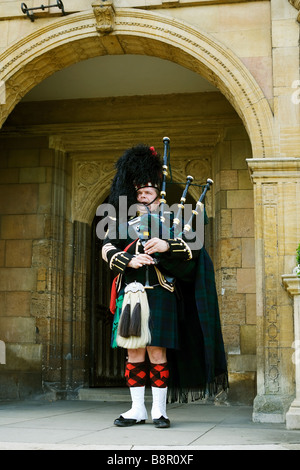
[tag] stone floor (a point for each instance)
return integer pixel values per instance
(86, 425)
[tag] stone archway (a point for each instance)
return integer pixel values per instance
(77, 37)
(80, 36)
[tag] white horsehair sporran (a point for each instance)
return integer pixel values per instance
(133, 328)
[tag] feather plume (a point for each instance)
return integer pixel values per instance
(138, 165)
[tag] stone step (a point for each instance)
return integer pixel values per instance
(109, 394)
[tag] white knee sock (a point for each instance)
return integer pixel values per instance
(138, 409)
(159, 405)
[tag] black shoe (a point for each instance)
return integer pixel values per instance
(125, 422)
(162, 422)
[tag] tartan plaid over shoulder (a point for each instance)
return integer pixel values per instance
(209, 317)
(199, 367)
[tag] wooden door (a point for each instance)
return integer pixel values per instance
(107, 364)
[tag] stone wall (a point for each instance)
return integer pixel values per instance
(25, 201)
(235, 260)
(38, 313)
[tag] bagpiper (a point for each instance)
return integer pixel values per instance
(164, 297)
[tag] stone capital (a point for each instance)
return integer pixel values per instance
(273, 168)
(105, 15)
(291, 283)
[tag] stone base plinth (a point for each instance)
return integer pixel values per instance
(293, 416)
(270, 408)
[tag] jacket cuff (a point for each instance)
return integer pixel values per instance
(180, 249)
(119, 261)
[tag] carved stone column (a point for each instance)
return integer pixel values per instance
(60, 301)
(276, 205)
(292, 285)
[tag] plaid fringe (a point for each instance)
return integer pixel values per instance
(199, 368)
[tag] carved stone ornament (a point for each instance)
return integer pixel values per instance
(105, 15)
(296, 4)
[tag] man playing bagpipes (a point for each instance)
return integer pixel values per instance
(154, 297)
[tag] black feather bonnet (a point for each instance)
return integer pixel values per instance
(138, 167)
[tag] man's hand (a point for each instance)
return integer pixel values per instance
(140, 260)
(156, 245)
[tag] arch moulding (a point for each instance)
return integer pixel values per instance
(92, 179)
(76, 37)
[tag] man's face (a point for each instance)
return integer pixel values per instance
(147, 195)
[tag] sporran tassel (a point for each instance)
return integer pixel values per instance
(135, 323)
(133, 329)
(124, 324)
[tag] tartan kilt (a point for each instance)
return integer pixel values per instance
(163, 322)
(163, 318)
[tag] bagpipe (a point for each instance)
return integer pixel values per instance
(163, 224)
(133, 328)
